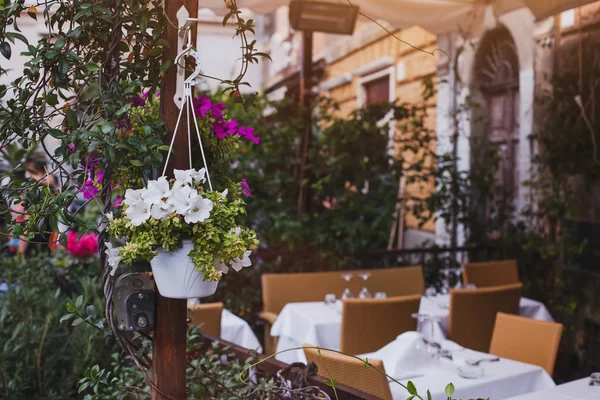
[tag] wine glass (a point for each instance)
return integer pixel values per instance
(446, 281)
(347, 293)
(426, 327)
(364, 293)
(458, 275)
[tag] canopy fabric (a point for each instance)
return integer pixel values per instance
(437, 16)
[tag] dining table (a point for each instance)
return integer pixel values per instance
(319, 324)
(576, 390)
(237, 331)
(500, 378)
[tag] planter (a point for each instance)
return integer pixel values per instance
(176, 276)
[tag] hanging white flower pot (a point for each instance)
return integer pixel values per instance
(176, 276)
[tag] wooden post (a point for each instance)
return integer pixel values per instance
(306, 79)
(169, 340)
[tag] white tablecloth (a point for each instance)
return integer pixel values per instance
(576, 390)
(320, 324)
(237, 331)
(501, 380)
(439, 306)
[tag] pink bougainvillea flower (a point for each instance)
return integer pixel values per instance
(248, 133)
(86, 246)
(91, 161)
(202, 105)
(72, 146)
(245, 188)
(138, 101)
(89, 189)
(226, 128)
(118, 203)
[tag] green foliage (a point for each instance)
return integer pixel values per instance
(41, 357)
(353, 179)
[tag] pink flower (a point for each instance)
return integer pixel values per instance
(248, 133)
(89, 189)
(118, 203)
(202, 105)
(217, 111)
(86, 246)
(245, 188)
(226, 128)
(72, 146)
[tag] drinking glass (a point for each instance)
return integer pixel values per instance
(431, 291)
(458, 273)
(364, 293)
(330, 299)
(426, 327)
(380, 295)
(595, 379)
(347, 293)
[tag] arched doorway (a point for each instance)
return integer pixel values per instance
(495, 90)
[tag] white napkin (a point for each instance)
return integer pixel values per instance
(402, 357)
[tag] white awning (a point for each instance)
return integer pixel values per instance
(434, 15)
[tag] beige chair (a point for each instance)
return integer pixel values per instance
(280, 289)
(370, 324)
(526, 340)
(491, 273)
(208, 317)
(351, 372)
(473, 313)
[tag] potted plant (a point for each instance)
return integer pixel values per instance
(190, 234)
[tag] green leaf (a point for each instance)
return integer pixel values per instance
(226, 18)
(449, 390)
(429, 397)
(92, 67)
(123, 110)
(410, 397)
(79, 302)
(5, 50)
(66, 317)
(411, 388)
(331, 382)
(136, 163)
(72, 118)
(77, 322)
(91, 311)
(366, 365)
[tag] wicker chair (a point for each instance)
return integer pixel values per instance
(351, 372)
(473, 313)
(491, 273)
(526, 340)
(280, 289)
(370, 324)
(208, 317)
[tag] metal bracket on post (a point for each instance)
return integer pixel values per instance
(182, 40)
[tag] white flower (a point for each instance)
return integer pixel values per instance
(237, 230)
(221, 267)
(138, 212)
(238, 264)
(189, 176)
(199, 210)
(131, 196)
(114, 257)
(161, 210)
(109, 216)
(224, 194)
(157, 191)
(181, 199)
